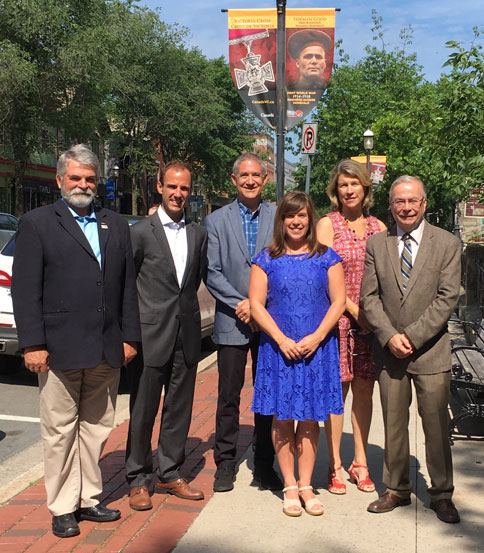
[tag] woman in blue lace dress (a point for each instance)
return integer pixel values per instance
(297, 295)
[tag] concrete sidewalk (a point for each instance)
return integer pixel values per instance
(251, 520)
(248, 519)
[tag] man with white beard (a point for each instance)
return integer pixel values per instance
(76, 308)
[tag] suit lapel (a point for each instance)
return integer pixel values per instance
(236, 223)
(190, 250)
(264, 227)
(159, 233)
(392, 250)
(103, 231)
(70, 225)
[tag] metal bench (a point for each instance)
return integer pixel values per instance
(467, 381)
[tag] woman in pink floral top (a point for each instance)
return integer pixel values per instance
(346, 231)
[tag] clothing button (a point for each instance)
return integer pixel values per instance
(99, 283)
(99, 309)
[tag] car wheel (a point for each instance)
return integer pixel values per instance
(10, 364)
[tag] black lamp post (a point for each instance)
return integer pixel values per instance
(116, 175)
(196, 189)
(368, 146)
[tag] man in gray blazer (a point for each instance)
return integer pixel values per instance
(410, 288)
(170, 260)
(236, 233)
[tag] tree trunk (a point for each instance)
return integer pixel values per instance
(134, 202)
(144, 194)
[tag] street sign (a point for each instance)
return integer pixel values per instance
(110, 185)
(309, 134)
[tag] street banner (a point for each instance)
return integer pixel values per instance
(378, 165)
(309, 59)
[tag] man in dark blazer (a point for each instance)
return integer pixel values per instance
(75, 304)
(170, 259)
(236, 233)
(410, 288)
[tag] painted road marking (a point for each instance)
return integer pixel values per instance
(18, 419)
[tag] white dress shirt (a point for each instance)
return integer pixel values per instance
(176, 234)
(416, 238)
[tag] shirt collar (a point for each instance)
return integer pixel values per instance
(166, 220)
(415, 235)
(245, 210)
(90, 217)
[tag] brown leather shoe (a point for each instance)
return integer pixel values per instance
(387, 502)
(139, 498)
(180, 488)
(445, 510)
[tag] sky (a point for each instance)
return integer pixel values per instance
(434, 22)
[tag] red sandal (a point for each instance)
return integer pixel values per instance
(334, 486)
(365, 485)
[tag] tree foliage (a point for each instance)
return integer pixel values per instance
(113, 70)
(432, 130)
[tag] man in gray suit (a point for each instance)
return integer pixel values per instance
(410, 288)
(170, 260)
(236, 233)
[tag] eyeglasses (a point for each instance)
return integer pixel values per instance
(412, 202)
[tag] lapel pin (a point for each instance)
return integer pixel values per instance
(104, 226)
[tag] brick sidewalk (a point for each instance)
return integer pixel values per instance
(25, 522)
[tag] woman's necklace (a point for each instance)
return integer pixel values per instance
(356, 225)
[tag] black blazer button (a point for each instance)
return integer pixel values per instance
(99, 309)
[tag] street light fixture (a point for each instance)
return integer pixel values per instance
(368, 146)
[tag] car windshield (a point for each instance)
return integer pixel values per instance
(9, 248)
(8, 222)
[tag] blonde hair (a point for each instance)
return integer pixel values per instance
(353, 169)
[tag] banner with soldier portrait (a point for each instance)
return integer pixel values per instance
(309, 59)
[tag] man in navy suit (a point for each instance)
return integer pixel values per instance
(76, 309)
(236, 233)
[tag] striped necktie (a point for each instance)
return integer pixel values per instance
(406, 259)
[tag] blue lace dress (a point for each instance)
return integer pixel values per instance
(297, 300)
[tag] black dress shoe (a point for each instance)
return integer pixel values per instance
(98, 513)
(65, 526)
(224, 479)
(268, 479)
(445, 510)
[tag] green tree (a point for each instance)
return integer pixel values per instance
(458, 152)
(48, 75)
(383, 90)
(173, 100)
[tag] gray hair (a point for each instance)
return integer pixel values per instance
(407, 178)
(80, 153)
(249, 157)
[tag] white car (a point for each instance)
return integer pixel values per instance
(10, 356)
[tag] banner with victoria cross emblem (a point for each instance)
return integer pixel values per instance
(309, 59)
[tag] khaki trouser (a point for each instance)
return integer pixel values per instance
(76, 418)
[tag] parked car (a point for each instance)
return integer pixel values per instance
(8, 227)
(11, 357)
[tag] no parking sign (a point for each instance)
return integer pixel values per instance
(309, 134)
